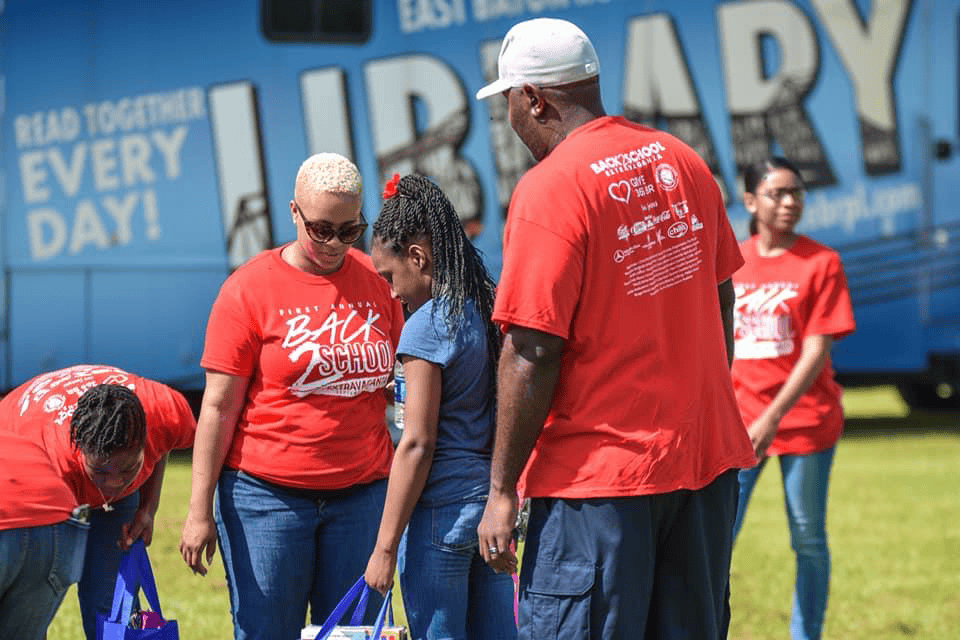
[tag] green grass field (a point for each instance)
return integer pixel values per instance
(894, 532)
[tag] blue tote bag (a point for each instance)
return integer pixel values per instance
(135, 574)
(360, 593)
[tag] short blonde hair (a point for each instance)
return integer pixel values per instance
(329, 173)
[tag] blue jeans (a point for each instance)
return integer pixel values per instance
(102, 561)
(805, 482)
(284, 548)
(449, 592)
(37, 566)
(653, 566)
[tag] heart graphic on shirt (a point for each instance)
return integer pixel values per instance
(620, 191)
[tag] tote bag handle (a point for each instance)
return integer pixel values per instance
(362, 591)
(135, 573)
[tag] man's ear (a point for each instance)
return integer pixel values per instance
(750, 202)
(534, 98)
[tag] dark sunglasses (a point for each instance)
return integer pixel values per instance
(324, 232)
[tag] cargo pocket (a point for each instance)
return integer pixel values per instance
(559, 600)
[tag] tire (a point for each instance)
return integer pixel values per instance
(924, 397)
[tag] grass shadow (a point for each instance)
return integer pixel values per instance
(915, 422)
(881, 411)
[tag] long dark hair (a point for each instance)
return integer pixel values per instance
(420, 208)
(754, 174)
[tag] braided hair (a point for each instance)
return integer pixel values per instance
(108, 418)
(419, 208)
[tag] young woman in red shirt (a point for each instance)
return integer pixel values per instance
(792, 304)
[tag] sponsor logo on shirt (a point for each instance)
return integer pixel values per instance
(661, 252)
(54, 403)
(677, 230)
(650, 222)
(647, 223)
(667, 177)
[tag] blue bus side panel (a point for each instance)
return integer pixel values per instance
(50, 326)
(169, 344)
(112, 232)
(170, 206)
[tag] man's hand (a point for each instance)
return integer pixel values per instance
(495, 532)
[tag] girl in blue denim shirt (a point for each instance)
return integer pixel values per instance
(441, 469)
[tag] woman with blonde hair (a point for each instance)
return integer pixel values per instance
(292, 436)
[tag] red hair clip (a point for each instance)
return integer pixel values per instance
(390, 189)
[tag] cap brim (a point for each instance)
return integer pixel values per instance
(497, 86)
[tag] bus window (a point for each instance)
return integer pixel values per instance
(316, 20)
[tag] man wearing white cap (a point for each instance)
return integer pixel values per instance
(616, 413)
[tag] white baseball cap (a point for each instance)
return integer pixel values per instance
(544, 52)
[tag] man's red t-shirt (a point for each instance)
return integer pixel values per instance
(616, 242)
(41, 409)
(318, 351)
(32, 493)
(780, 301)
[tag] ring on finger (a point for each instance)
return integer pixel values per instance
(493, 551)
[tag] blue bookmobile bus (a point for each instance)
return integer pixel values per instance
(149, 148)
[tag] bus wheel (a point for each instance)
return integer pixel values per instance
(930, 396)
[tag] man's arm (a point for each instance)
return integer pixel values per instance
(526, 379)
(728, 298)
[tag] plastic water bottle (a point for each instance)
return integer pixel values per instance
(399, 395)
